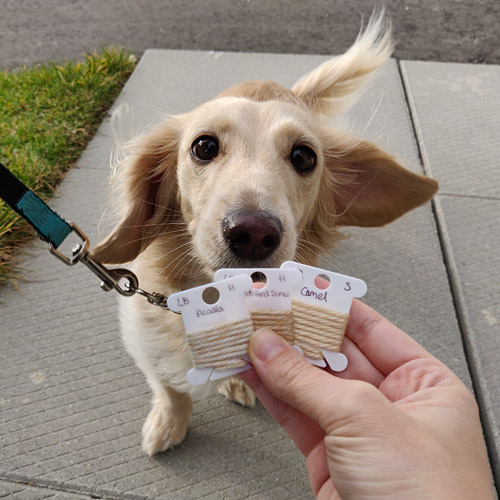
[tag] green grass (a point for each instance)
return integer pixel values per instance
(47, 116)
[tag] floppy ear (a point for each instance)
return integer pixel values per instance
(337, 84)
(149, 195)
(370, 188)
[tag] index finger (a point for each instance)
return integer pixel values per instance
(385, 345)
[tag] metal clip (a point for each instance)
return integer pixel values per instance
(123, 281)
(155, 298)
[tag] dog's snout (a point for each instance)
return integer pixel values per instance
(252, 235)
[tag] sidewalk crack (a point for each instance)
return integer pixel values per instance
(470, 350)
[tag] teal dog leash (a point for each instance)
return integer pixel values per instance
(27, 204)
(54, 230)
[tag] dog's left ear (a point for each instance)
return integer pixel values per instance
(370, 188)
(336, 85)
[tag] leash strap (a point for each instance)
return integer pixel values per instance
(54, 229)
(50, 226)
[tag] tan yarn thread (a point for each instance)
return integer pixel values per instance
(220, 347)
(316, 326)
(280, 322)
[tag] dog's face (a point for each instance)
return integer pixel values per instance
(255, 177)
(248, 176)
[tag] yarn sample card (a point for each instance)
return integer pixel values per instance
(269, 298)
(321, 305)
(218, 327)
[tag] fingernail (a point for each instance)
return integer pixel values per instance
(265, 344)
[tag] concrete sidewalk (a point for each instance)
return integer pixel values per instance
(72, 402)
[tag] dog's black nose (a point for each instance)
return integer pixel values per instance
(252, 235)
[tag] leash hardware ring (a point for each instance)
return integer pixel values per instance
(155, 298)
(78, 252)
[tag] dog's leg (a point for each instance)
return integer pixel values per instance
(234, 389)
(166, 424)
(155, 341)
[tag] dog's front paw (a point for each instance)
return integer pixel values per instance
(164, 428)
(234, 389)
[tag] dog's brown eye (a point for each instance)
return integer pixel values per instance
(205, 148)
(303, 159)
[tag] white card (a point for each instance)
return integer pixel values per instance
(276, 294)
(332, 291)
(198, 314)
(337, 296)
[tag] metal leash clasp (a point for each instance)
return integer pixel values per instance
(155, 298)
(125, 282)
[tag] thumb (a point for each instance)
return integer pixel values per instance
(323, 397)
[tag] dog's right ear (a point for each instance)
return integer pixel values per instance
(148, 186)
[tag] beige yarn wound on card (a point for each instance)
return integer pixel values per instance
(316, 327)
(281, 322)
(221, 346)
(309, 326)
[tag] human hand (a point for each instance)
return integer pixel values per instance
(396, 424)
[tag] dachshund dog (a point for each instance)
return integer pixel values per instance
(252, 178)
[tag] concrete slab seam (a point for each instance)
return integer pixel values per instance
(55, 489)
(459, 302)
(470, 196)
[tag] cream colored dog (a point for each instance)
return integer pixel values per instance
(250, 179)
